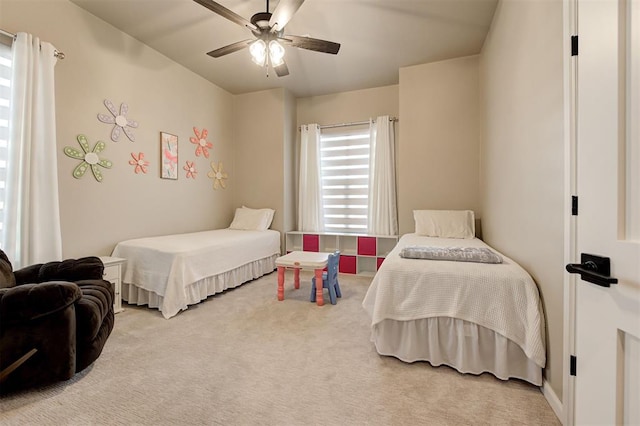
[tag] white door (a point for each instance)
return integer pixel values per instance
(607, 319)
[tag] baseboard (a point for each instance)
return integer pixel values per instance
(553, 400)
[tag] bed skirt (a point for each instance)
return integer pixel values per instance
(205, 287)
(465, 346)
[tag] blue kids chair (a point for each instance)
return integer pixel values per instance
(329, 279)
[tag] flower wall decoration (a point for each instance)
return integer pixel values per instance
(190, 168)
(217, 175)
(120, 121)
(201, 142)
(89, 157)
(139, 162)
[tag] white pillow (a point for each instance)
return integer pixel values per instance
(268, 215)
(247, 220)
(252, 219)
(445, 223)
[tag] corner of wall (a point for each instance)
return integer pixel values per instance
(521, 98)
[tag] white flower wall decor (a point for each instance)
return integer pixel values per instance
(119, 120)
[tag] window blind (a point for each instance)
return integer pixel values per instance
(5, 88)
(344, 156)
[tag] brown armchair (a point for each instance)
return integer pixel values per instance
(62, 310)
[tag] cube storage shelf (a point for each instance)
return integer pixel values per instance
(359, 254)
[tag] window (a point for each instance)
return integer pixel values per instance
(5, 86)
(344, 156)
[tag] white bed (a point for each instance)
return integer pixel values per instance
(173, 271)
(474, 317)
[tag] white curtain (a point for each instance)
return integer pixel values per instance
(31, 211)
(383, 217)
(310, 206)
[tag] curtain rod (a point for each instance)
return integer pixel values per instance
(58, 54)
(353, 123)
(7, 33)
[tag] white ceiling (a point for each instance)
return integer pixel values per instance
(377, 36)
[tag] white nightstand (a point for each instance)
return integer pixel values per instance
(113, 273)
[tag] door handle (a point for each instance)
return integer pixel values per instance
(594, 269)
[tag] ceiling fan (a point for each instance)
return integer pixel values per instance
(268, 30)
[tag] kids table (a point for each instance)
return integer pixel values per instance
(298, 260)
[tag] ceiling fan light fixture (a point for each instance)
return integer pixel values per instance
(268, 28)
(276, 53)
(258, 50)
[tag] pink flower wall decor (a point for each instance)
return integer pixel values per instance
(190, 168)
(139, 162)
(202, 144)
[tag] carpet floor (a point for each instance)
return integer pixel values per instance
(243, 358)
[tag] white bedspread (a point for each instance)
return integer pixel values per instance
(167, 265)
(502, 297)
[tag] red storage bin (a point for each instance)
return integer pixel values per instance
(311, 242)
(347, 264)
(367, 246)
(380, 260)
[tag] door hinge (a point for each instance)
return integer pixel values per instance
(574, 45)
(572, 365)
(574, 205)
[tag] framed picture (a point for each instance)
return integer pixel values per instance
(168, 156)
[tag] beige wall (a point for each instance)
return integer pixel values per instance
(289, 163)
(438, 165)
(437, 136)
(522, 152)
(263, 123)
(104, 63)
(345, 107)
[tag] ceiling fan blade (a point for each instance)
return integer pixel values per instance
(281, 70)
(283, 13)
(311, 44)
(234, 47)
(226, 13)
